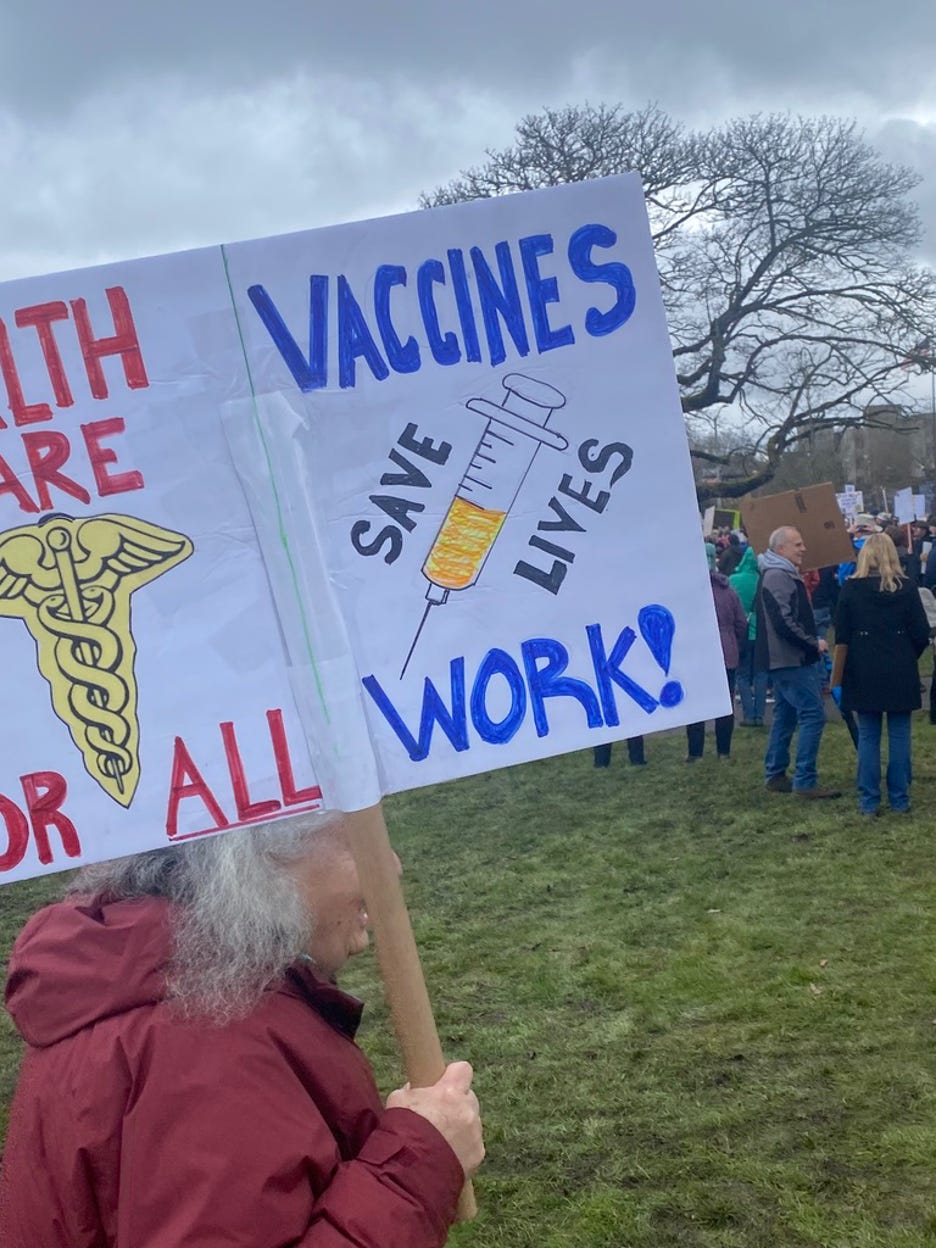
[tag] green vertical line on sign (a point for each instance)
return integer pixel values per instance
(281, 525)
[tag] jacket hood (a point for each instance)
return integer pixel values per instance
(719, 579)
(748, 561)
(75, 963)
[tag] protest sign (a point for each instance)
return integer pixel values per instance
(909, 506)
(351, 508)
(715, 518)
(141, 690)
(851, 502)
(814, 511)
(903, 505)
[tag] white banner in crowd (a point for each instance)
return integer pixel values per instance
(909, 506)
(851, 502)
(339, 513)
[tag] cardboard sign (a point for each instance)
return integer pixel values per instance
(814, 511)
(334, 514)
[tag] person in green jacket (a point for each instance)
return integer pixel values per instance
(752, 685)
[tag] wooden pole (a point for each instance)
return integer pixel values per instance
(404, 982)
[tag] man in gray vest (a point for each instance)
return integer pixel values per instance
(787, 647)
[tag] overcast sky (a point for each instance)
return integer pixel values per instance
(129, 129)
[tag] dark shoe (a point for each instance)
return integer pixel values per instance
(638, 762)
(748, 723)
(870, 814)
(817, 793)
(779, 784)
(905, 811)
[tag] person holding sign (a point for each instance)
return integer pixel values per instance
(192, 1077)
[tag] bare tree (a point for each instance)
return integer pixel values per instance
(784, 246)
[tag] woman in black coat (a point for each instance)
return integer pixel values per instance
(882, 622)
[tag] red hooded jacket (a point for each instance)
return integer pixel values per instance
(132, 1128)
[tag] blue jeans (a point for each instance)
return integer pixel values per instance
(797, 704)
(898, 760)
(752, 686)
(823, 619)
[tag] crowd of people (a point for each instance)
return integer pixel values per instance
(774, 622)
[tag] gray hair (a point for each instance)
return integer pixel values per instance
(780, 537)
(239, 919)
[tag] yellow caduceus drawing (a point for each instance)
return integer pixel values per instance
(70, 582)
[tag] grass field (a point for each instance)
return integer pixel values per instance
(700, 1014)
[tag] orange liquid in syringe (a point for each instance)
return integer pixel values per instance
(466, 536)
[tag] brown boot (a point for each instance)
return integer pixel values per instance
(779, 784)
(817, 793)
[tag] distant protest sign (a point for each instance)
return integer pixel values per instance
(851, 502)
(909, 506)
(715, 518)
(334, 514)
(903, 505)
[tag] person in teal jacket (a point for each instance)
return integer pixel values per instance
(752, 685)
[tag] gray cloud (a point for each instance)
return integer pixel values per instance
(162, 168)
(54, 51)
(130, 129)
(913, 143)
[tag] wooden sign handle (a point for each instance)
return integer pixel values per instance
(404, 982)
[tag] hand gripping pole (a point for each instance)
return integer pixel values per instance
(404, 983)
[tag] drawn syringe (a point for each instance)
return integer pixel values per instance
(515, 431)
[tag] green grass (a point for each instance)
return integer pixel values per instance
(699, 1014)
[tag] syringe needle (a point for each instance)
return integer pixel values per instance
(415, 639)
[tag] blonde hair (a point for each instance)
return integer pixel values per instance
(878, 557)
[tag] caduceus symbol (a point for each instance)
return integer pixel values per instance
(70, 581)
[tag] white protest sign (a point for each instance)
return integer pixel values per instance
(850, 501)
(145, 694)
(504, 600)
(919, 506)
(903, 505)
(363, 506)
